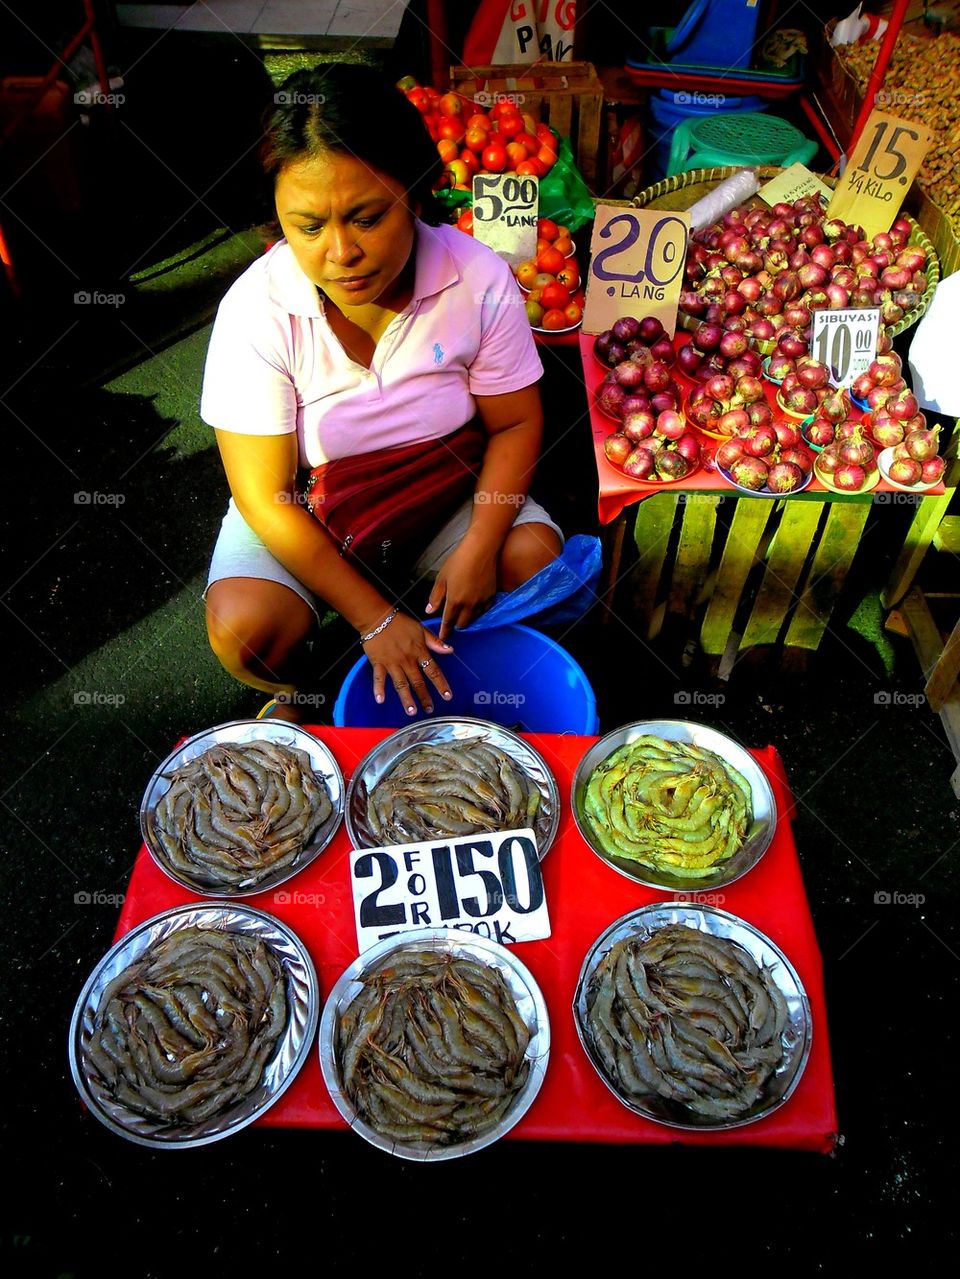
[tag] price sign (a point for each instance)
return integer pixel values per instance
(791, 184)
(485, 884)
(636, 266)
(846, 341)
(888, 153)
(505, 214)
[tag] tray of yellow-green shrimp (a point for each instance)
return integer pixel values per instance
(673, 804)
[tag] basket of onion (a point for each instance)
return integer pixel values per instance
(640, 358)
(761, 271)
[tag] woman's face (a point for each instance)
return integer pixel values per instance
(350, 227)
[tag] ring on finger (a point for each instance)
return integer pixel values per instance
(424, 662)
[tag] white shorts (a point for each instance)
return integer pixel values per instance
(239, 552)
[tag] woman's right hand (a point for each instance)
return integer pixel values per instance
(404, 651)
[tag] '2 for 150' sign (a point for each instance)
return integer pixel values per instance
(486, 884)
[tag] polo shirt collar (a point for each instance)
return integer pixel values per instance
(290, 289)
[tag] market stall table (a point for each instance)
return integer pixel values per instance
(584, 896)
(815, 537)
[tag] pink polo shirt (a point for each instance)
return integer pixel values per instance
(275, 366)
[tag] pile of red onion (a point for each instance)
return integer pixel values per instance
(850, 462)
(653, 447)
(761, 272)
(915, 460)
(771, 458)
(641, 358)
(893, 408)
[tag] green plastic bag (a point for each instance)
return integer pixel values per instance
(564, 196)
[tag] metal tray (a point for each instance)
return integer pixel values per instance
(796, 1038)
(451, 729)
(530, 1004)
(238, 732)
(759, 835)
(303, 1014)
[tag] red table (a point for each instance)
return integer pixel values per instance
(584, 895)
(618, 491)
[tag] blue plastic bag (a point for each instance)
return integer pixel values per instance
(561, 592)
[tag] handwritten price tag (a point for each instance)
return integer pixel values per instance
(485, 884)
(505, 214)
(636, 266)
(791, 184)
(878, 174)
(846, 341)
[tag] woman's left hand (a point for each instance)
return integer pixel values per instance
(465, 585)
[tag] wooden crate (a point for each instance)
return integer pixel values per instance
(768, 572)
(566, 95)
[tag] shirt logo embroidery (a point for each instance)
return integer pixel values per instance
(437, 353)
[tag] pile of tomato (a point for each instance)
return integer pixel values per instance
(471, 140)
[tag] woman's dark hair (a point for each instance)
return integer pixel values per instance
(353, 110)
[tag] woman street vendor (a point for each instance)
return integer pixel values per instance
(391, 359)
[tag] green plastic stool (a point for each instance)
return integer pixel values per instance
(737, 138)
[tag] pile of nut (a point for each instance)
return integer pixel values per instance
(920, 85)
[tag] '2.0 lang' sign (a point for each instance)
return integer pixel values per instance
(636, 266)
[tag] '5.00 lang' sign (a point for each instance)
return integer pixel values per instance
(636, 266)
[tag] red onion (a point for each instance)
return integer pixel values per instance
(922, 445)
(750, 389)
(708, 336)
(905, 471)
(730, 451)
(733, 345)
(784, 477)
(760, 414)
(845, 276)
(895, 278)
(733, 324)
(689, 359)
(911, 260)
(688, 446)
(887, 434)
(629, 374)
(798, 258)
(821, 432)
(768, 304)
(788, 436)
(762, 329)
(837, 297)
(651, 330)
(791, 344)
(801, 400)
(849, 478)
(617, 448)
(670, 425)
(663, 352)
(799, 456)
(813, 275)
(761, 443)
(656, 377)
(692, 303)
(933, 469)
(640, 464)
(638, 403)
(626, 329)
(843, 252)
(824, 256)
(734, 302)
(750, 288)
(721, 388)
(663, 401)
(796, 315)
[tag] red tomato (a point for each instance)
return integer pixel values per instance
(569, 274)
(419, 99)
(448, 150)
(573, 311)
(547, 158)
(564, 244)
(451, 104)
(530, 144)
(554, 318)
(554, 296)
(527, 273)
(471, 160)
(551, 260)
(451, 127)
(465, 221)
(508, 126)
(495, 157)
(503, 108)
(547, 229)
(480, 120)
(476, 139)
(516, 155)
(531, 168)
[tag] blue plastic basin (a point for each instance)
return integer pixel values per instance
(512, 675)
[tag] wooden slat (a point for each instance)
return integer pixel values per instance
(739, 553)
(947, 536)
(693, 551)
(942, 680)
(558, 110)
(652, 534)
(788, 552)
(587, 147)
(613, 536)
(831, 563)
(930, 512)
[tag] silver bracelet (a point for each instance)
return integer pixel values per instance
(382, 627)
